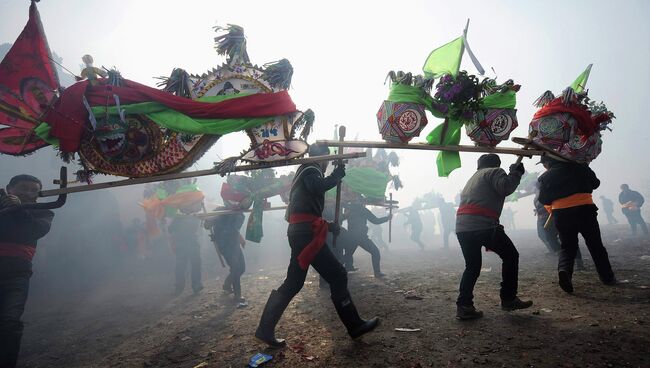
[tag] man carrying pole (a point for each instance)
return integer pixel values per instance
(566, 187)
(477, 225)
(307, 232)
(20, 230)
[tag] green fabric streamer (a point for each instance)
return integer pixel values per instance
(254, 228)
(403, 93)
(500, 100)
(181, 123)
(450, 161)
(43, 132)
(366, 181)
(446, 161)
(445, 59)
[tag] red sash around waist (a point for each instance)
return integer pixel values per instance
(472, 209)
(320, 227)
(17, 250)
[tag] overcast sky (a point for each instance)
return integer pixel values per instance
(342, 50)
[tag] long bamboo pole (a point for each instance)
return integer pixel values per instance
(429, 147)
(192, 174)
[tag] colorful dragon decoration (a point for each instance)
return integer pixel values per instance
(120, 127)
(485, 108)
(571, 124)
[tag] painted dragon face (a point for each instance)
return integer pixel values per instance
(123, 141)
(111, 136)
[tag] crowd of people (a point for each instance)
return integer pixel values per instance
(563, 204)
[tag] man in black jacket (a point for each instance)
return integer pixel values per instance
(20, 229)
(307, 233)
(566, 187)
(358, 216)
(632, 201)
(226, 237)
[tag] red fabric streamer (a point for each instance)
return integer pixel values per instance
(586, 124)
(230, 194)
(320, 227)
(68, 116)
(28, 82)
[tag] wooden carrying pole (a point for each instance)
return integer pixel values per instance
(390, 218)
(430, 147)
(192, 174)
(337, 208)
(225, 211)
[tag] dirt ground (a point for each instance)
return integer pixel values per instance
(143, 325)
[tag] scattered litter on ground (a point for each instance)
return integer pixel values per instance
(259, 359)
(402, 329)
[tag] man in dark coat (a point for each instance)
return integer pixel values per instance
(566, 187)
(477, 226)
(631, 202)
(20, 230)
(358, 216)
(307, 232)
(226, 237)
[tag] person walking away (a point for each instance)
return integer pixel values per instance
(631, 202)
(567, 188)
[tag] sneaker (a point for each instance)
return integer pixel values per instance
(516, 303)
(467, 312)
(565, 281)
(380, 275)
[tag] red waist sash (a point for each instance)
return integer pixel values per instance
(320, 227)
(17, 250)
(472, 209)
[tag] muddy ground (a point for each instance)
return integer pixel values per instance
(140, 324)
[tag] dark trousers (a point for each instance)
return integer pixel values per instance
(581, 220)
(446, 232)
(497, 241)
(234, 257)
(610, 217)
(325, 264)
(551, 238)
(188, 253)
(634, 218)
(416, 232)
(354, 240)
(337, 251)
(14, 287)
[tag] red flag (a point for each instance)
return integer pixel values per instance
(28, 85)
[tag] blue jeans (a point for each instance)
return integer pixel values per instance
(14, 287)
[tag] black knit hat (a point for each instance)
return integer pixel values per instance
(318, 150)
(24, 177)
(488, 160)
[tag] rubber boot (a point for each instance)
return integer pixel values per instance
(275, 306)
(350, 317)
(10, 341)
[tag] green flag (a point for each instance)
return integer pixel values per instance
(445, 59)
(581, 82)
